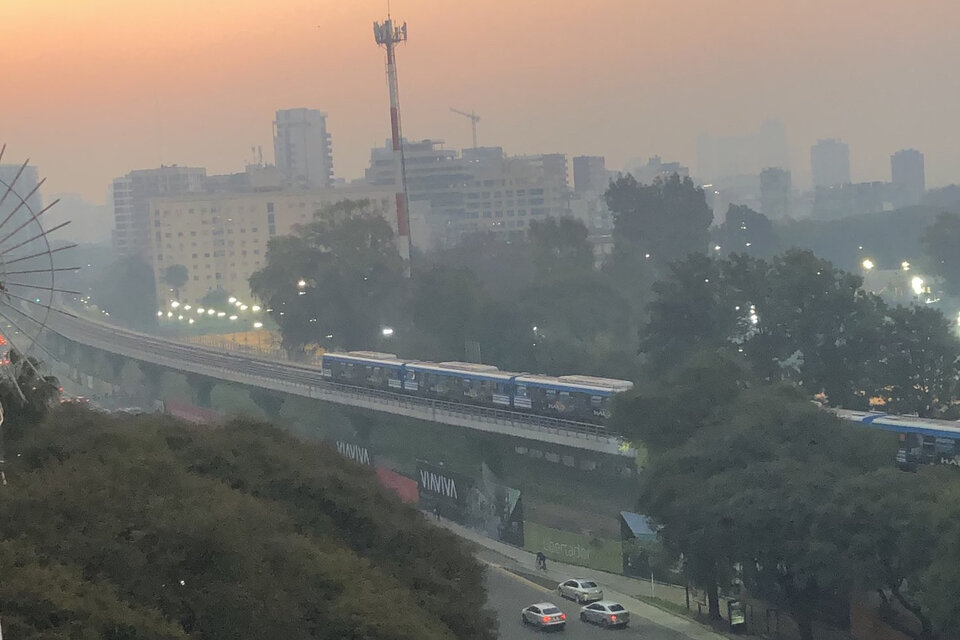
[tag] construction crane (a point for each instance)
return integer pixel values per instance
(474, 119)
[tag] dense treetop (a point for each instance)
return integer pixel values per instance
(152, 528)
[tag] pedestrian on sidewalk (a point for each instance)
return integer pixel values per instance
(541, 561)
(436, 512)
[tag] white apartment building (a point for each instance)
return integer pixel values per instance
(221, 238)
(131, 194)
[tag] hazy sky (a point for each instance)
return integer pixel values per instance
(94, 88)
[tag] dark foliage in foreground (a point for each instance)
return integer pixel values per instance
(147, 527)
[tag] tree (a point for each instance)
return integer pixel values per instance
(176, 276)
(234, 500)
(444, 306)
(746, 231)
(504, 268)
(560, 248)
(916, 370)
(939, 242)
(26, 394)
(668, 219)
(337, 281)
(688, 312)
(215, 299)
(127, 291)
(794, 318)
(883, 530)
(680, 401)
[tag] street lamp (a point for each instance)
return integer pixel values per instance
(387, 332)
(867, 264)
(917, 284)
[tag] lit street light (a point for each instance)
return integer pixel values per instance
(867, 264)
(917, 284)
(387, 332)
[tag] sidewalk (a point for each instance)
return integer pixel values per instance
(615, 587)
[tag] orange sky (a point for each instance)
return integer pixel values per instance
(94, 88)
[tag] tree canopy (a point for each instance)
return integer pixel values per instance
(668, 219)
(799, 318)
(754, 485)
(127, 291)
(165, 530)
(336, 281)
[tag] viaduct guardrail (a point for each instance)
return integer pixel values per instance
(301, 380)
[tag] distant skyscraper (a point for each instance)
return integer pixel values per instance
(301, 146)
(906, 168)
(775, 193)
(830, 163)
(743, 155)
(589, 174)
(131, 203)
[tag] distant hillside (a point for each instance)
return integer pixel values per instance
(149, 528)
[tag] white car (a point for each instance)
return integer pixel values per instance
(544, 615)
(580, 589)
(606, 614)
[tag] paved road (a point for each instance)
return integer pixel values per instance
(507, 593)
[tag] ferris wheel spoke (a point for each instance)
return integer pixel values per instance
(36, 237)
(39, 254)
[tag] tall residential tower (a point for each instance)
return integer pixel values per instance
(301, 145)
(830, 163)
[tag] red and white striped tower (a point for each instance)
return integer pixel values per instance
(388, 36)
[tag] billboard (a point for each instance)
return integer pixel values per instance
(482, 504)
(573, 548)
(444, 489)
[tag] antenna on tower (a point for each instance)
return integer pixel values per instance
(388, 35)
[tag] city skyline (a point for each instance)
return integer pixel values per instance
(105, 87)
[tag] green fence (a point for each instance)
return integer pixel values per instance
(573, 548)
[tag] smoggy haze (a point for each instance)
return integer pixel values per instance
(95, 88)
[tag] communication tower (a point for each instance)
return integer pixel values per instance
(389, 35)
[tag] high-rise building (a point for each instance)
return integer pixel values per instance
(590, 175)
(906, 169)
(301, 145)
(742, 155)
(775, 193)
(830, 163)
(131, 195)
(478, 190)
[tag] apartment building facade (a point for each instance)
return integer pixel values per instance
(221, 238)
